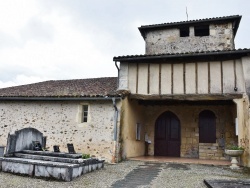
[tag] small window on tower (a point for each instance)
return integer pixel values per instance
(184, 32)
(85, 111)
(202, 30)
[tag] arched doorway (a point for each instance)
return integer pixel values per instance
(207, 127)
(167, 135)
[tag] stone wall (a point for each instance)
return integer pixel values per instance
(60, 122)
(243, 110)
(131, 115)
(245, 139)
(169, 41)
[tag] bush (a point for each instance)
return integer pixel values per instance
(234, 147)
(85, 156)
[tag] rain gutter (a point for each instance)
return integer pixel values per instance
(105, 98)
(243, 52)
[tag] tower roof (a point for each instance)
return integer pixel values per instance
(235, 19)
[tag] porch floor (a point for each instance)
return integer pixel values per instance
(181, 160)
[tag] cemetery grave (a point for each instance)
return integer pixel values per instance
(26, 155)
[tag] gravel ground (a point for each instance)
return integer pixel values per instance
(193, 175)
(171, 175)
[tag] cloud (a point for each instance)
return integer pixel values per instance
(20, 80)
(38, 30)
(14, 14)
(53, 45)
(61, 39)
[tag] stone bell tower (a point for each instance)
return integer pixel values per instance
(210, 34)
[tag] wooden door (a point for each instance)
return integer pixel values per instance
(167, 135)
(207, 127)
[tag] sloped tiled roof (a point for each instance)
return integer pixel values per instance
(235, 19)
(201, 54)
(93, 87)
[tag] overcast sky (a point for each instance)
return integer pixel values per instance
(71, 39)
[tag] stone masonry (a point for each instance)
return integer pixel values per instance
(169, 41)
(59, 121)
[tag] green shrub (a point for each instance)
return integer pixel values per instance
(85, 156)
(234, 147)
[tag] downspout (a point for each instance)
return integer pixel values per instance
(114, 153)
(118, 73)
(117, 67)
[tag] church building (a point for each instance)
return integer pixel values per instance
(187, 96)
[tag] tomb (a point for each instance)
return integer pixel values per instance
(71, 148)
(26, 155)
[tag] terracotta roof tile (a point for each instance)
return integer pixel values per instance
(92, 87)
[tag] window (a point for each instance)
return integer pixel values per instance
(184, 32)
(85, 111)
(207, 127)
(201, 30)
(138, 131)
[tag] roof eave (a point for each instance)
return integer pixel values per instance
(184, 55)
(235, 20)
(58, 98)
